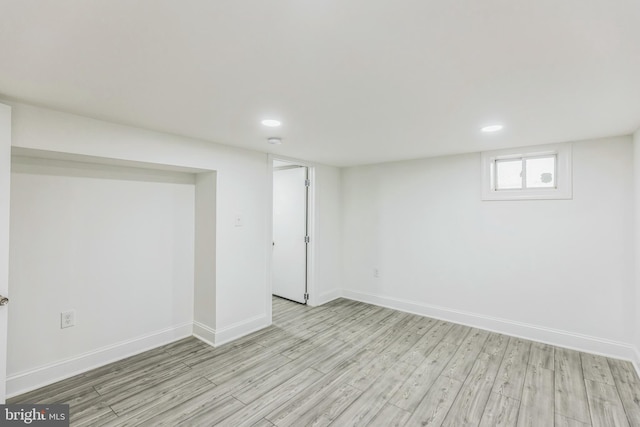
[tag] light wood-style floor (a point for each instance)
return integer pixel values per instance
(349, 364)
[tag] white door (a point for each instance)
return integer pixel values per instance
(289, 231)
(5, 176)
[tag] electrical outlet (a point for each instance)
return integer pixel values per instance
(67, 319)
(376, 273)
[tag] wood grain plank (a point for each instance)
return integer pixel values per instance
(316, 354)
(242, 365)
(90, 414)
(391, 333)
(405, 340)
(469, 405)
(542, 356)
(367, 373)
(605, 405)
(425, 345)
(204, 359)
(563, 421)
(373, 399)
(373, 339)
(413, 390)
(259, 385)
(460, 365)
(390, 416)
(496, 344)
(271, 400)
(424, 325)
(137, 384)
(596, 368)
(369, 322)
(316, 408)
(206, 414)
(570, 391)
(167, 402)
(327, 385)
(457, 334)
(183, 345)
(98, 420)
(501, 411)
(121, 404)
(263, 423)
(282, 342)
(134, 378)
(628, 386)
(537, 405)
(244, 379)
(433, 409)
(512, 372)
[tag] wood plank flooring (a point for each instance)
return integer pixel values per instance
(352, 364)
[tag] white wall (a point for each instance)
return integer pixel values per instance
(327, 234)
(240, 251)
(5, 179)
(204, 320)
(636, 198)
(117, 250)
(559, 271)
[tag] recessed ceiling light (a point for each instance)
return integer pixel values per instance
(271, 123)
(492, 128)
(274, 141)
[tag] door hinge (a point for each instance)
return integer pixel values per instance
(307, 239)
(307, 183)
(306, 296)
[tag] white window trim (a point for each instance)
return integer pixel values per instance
(563, 189)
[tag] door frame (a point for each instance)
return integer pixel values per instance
(311, 246)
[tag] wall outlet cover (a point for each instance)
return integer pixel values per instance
(67, 319)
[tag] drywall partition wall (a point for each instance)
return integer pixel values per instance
(204, 303)
(241, 188)
(5, 179)
(114, 245)
(559, 271)
(327, 264)
(636, 198)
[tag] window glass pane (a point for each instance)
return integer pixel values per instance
(508, 174)
(541, 172)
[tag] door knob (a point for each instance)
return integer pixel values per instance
(4, 300)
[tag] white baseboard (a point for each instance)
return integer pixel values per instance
(53, 372)
(546, 335)
(204, 333)
(216, 337)
(636, 361)
(326, 297)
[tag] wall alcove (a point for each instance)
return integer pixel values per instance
(128, 246)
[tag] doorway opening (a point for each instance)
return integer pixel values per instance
(291, 230)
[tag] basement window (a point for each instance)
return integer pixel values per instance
(532, 173)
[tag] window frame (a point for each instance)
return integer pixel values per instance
(563, 186)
